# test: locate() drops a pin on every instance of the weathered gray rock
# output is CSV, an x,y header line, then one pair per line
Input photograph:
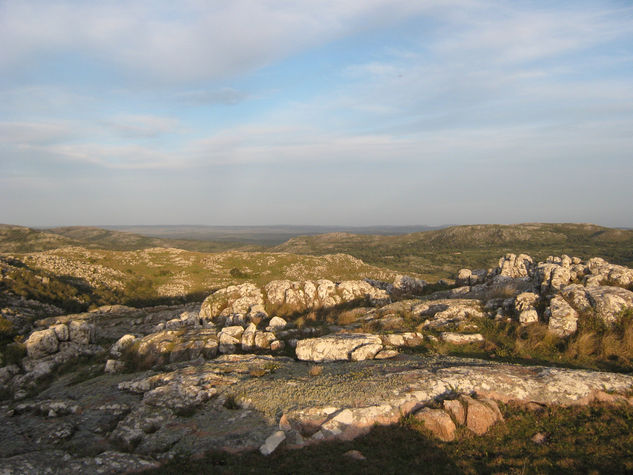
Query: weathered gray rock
x,y
176,345
553,276
386,354
42,343
272,442
276,323
122,344
514,266
524,306
365,352
563,319
263,340
337,347
234,300
448,312
407,285
603,272
81,332
114,366
248,337
62,332
461,338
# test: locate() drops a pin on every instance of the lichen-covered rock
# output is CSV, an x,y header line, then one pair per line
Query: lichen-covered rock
x,y
114,366
81,332
334,347
608,302
524,306
553,276
42,343
448,312
563,319
461,338
602,272
62,332
122,344
263,340
175,345
605,302
407,285
233,300
514,266
365,352
248,337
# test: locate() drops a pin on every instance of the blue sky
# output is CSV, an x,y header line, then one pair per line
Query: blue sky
x,y
316,112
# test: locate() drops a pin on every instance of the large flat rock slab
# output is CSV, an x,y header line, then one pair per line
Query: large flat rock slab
x,y
237,402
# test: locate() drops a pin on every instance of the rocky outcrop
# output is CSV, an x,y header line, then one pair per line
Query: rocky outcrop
x,y
237,304
525,307
605,302
172,346
247,303
568,289
438,422
339,347
601,272
478,415
242,400
514,267
563,319
442,314
46,342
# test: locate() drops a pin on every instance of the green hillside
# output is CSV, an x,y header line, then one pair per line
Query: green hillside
x,y
23,239
442,252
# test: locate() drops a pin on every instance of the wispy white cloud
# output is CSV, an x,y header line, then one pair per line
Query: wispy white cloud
x,y
227,96
190,40
135,126
35,133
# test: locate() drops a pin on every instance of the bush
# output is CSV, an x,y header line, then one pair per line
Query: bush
x,y
238,273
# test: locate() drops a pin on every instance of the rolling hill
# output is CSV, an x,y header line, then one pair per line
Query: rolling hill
x,y
24,239
440,253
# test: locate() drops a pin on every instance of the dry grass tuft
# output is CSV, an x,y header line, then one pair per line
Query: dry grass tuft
x,y
315,370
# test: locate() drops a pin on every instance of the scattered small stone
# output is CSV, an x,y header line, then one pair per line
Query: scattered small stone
x,y
355,454
272,442
539,438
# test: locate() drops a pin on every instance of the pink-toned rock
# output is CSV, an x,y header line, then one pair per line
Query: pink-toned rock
x,y
481,414
438,422
456,409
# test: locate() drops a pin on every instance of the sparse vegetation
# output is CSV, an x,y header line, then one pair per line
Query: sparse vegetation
x,y
441,253
593,439
594,346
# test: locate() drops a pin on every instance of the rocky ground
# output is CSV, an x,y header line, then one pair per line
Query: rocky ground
x,y
120,389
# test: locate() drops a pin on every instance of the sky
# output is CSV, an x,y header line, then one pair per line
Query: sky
x,y
356,112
